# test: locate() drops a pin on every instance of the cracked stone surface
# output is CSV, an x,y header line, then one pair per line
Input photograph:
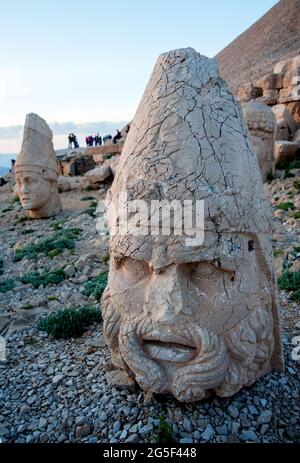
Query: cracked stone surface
x,y
261,124
192,320
36,170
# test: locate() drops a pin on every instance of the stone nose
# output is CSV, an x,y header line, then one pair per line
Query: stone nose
x,y
167,294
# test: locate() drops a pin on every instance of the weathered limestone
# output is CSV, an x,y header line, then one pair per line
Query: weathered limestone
x,y
286,151
95,177
261,125
183,317
285,124
36,170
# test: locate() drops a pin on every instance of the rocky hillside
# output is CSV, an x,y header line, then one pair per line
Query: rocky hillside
x,y
63,390
274,37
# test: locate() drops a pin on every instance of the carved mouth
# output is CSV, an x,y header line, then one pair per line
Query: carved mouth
x,y
168,350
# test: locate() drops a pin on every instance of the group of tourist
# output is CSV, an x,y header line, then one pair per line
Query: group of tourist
x,y
90,140
73,140
97,140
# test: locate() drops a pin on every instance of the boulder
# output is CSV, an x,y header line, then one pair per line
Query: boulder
x,y
95,177
286,151
64,184
285,124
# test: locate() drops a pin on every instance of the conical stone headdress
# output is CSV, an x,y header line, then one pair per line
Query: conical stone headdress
x,y
37,152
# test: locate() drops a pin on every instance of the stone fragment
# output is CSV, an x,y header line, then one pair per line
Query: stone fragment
x,y
57,379
120,380
285,124
83,431
286,151
64,184
93,178
36,170
189,142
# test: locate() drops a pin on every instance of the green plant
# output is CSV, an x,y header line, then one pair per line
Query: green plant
x,y
164,431
63,239
23,218
16,199
28,231
45,278
278,252
105,259
53,298
26,307
7,285
68,323
295,214
290,281
58,225
54,252
92,209
297,248
96,286
288,174
285,206
296,185
7,209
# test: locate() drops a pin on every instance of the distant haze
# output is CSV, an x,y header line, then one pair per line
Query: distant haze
x,y
11,137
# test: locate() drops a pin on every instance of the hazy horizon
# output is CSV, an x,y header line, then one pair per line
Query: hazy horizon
x,y
100,74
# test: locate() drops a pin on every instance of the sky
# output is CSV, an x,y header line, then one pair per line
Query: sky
x,y
87,61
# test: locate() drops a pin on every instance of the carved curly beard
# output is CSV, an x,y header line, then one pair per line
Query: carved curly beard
x,y
222,364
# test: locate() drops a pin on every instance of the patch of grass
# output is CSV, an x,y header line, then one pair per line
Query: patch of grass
x,y
297,248
296,185
68,323
291,194
105,259
53,298
288,165
15,200
164,433
23,218
54,252
96,286
26,307
7,209
58,225
278,252
285,206
92,209
290,281
295,215
288,174
45,278
28,231
63,239
7,285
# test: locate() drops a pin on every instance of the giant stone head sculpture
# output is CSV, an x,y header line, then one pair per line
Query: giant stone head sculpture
x,y
36,170
192,319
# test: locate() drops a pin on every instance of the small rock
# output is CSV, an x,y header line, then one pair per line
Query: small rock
x,y
208,433
120,380
248,435
265,417
133,439
57,379
186,440
233,411
83,431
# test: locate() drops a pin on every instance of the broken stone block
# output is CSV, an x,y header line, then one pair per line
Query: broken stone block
x,y
285,124
120,380
294,109
95,177
286,151
64,184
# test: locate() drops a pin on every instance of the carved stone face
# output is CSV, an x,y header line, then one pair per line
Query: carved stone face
x,y
194,323
34,190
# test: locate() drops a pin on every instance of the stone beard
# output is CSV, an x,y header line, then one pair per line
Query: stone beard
x,y
38,192
186,323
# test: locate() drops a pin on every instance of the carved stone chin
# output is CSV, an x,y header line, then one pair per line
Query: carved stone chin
x,y
189,318
36,170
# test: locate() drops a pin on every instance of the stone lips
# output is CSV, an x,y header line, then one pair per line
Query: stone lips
x,y
189,140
